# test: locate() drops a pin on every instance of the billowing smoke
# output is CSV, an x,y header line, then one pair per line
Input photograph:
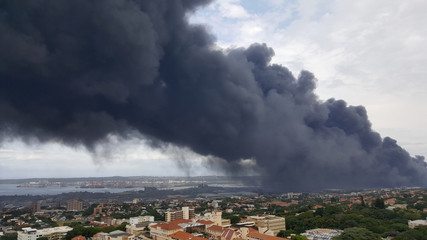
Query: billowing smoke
x,y
78,71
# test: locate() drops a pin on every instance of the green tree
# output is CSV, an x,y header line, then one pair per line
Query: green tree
x,y
281,234
90,231
419,233
319,212
234,219
284,234
357,234
122,227
9,237
89,210
379,203
329,210
298,237
157,216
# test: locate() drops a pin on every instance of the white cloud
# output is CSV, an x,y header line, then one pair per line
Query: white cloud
x,y
231,9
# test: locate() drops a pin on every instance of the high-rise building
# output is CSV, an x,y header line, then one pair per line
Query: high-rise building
x,y
36,206
191,214
98,209
74,205
184,213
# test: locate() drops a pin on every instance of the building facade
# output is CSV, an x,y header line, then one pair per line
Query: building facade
x,y
74,205
27,234
260,236
50,233
36,206
269,222
214,216
184,213
416,223
119,235
161,231
146,218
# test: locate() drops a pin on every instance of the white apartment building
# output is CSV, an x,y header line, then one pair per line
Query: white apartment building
x,y
133,220
416,223
146,218
27,234
33,234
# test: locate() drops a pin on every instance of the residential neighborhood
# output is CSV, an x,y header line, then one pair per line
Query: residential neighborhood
x,y
384,213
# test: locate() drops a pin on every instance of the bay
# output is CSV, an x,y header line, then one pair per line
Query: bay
x,y
13,189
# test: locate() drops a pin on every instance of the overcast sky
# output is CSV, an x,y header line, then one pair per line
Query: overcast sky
x,y
370,53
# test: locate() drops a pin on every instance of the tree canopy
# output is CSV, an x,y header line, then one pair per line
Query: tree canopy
x,y
357,234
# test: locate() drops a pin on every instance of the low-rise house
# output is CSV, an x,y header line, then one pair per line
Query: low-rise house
x,y
180,235
206,223
162,231
80,237
137,229
225,222
193,227
50,233
270,222
27,234
146,218
229,234
215,231
416,223
214,216
100,236
108,220
119,235
244,231
260,236
390,201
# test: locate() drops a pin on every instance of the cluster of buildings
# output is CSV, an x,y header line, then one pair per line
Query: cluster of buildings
x,y
210,226
181,222
184,224
72,205
114,235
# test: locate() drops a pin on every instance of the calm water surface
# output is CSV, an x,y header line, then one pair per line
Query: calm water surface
x,y
12,189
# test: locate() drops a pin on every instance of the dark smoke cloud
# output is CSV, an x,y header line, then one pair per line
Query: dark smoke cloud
x,y
76,72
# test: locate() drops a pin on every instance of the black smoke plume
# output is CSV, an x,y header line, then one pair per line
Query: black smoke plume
x,y
78,71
